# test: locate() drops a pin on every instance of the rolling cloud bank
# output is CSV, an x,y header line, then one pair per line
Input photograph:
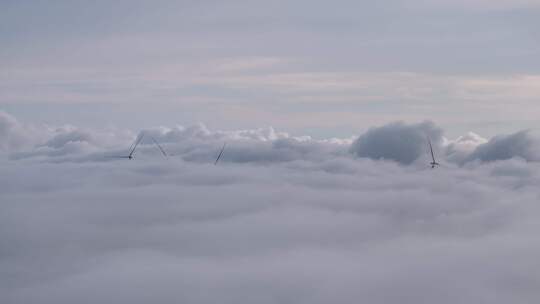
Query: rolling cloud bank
x,y
281,219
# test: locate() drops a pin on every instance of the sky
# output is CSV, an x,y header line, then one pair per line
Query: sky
x,y
318,67
324,192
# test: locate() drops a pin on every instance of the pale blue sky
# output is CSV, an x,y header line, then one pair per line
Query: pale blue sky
x,y
326,68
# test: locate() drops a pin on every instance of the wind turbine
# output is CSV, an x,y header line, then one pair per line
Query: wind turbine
x,y
433,162
132,148
159,146
220,153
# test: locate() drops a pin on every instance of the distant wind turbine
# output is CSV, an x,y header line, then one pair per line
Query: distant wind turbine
x,y
433,162
220,153
132,148
159,146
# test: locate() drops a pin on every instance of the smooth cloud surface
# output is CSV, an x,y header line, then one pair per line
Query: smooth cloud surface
x,y
282,219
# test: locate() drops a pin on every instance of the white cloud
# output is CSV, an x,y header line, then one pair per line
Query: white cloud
x,y
15,135
400,142
282,219
521,144
459,149
397,142
294,233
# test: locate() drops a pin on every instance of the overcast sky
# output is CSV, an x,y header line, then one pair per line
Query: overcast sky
x,y
329,68
324,193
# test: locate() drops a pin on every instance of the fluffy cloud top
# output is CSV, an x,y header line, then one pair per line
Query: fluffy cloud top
x,y
398,141
282,219
13,135
520,144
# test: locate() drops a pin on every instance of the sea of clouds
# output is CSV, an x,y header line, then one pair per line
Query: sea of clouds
x,y
281,218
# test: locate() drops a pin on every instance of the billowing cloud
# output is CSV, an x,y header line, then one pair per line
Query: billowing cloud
x,y
298,232
458,150
399,142
521,144
13,134
283,219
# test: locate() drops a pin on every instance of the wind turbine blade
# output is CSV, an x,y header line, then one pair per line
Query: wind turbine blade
x,y
136,144
431,149
220,153
159,146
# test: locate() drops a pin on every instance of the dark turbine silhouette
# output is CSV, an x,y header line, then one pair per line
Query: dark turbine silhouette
x,y
433,162
159,146
220,153
134,146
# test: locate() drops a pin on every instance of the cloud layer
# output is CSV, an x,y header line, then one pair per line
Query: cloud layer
x,y
399,142
283,219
